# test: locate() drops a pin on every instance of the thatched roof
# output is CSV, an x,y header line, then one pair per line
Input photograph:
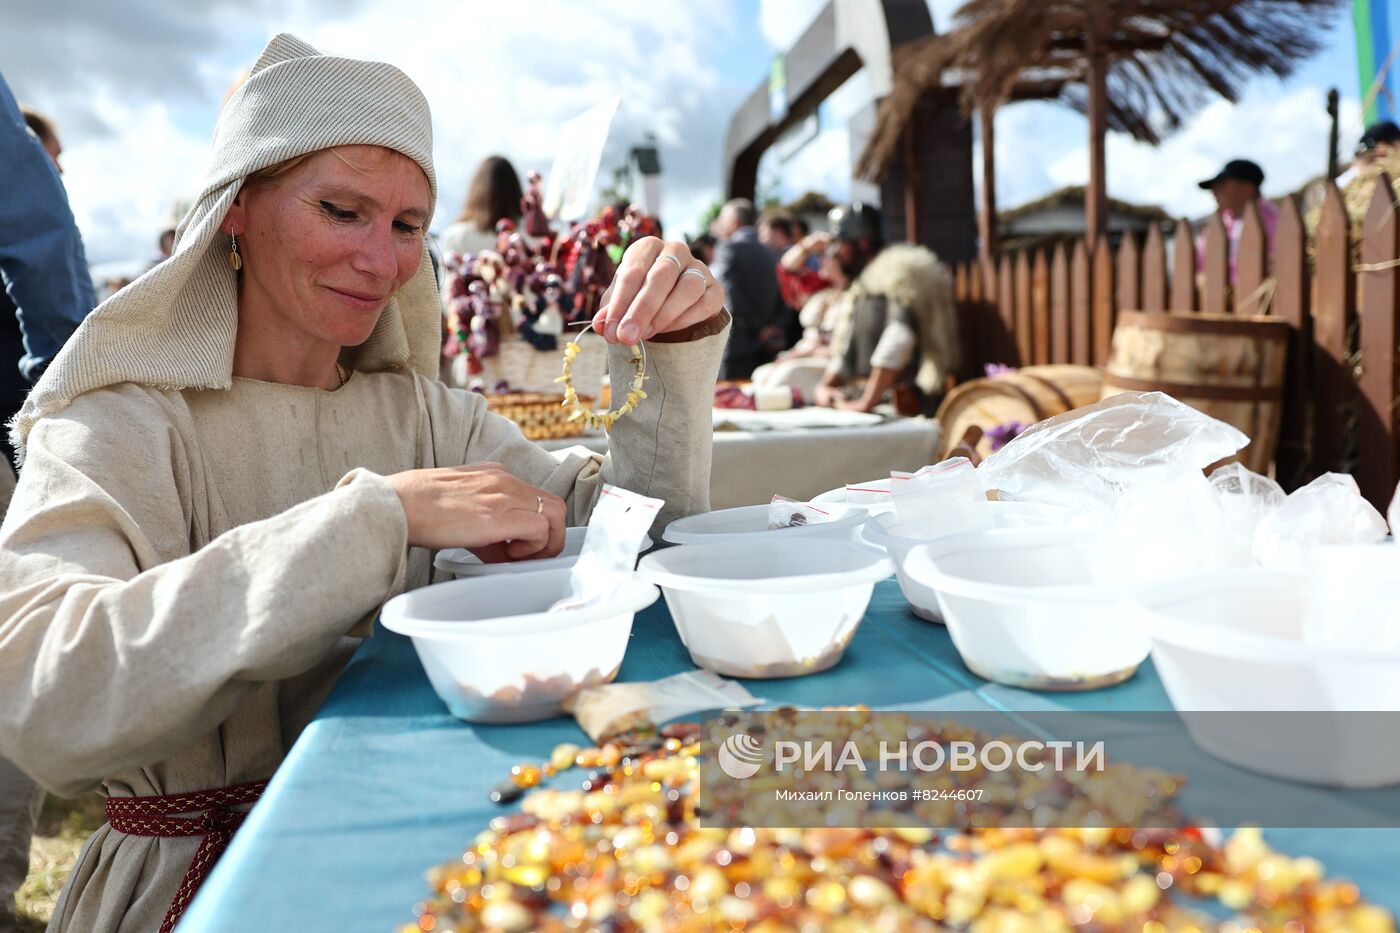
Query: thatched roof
x,y
1166,59
1073,195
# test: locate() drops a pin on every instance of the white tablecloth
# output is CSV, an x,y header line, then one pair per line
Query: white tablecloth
x,y
798,460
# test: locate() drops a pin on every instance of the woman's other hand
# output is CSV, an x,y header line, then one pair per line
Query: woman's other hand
x,y
659,288
483,508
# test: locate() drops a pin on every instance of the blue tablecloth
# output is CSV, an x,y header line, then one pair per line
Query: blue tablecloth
x,y
384,784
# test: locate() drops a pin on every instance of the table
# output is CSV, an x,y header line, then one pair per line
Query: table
x,y
800,461
384,784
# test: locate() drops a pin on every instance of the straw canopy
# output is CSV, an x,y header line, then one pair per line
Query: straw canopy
x,y
1164,58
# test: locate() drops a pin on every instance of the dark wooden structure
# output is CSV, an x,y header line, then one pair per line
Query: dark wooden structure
x,y
1343,385
1139,66
927,192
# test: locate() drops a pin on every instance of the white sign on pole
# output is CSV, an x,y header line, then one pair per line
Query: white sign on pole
x,y
569,187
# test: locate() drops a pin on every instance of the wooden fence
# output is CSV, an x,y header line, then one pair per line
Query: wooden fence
x,y
1343,304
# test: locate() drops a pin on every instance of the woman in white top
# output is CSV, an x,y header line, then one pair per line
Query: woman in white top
x,y
494,196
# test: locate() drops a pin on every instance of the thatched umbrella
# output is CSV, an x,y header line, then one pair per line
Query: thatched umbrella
x,y
1140,66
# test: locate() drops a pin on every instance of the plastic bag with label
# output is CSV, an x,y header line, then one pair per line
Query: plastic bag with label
x,y
787,513
616,530
608,709
939,496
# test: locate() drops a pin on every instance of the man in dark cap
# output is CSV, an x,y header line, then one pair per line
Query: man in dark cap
x,y
1235,186
896,338
1378,140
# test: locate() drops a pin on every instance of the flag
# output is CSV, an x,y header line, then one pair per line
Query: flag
x,y
1377,22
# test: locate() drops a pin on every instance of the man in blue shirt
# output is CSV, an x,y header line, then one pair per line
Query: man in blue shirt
x,y
42,264
48,289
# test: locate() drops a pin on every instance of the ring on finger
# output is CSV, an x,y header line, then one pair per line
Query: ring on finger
x,y
539,508
678,263
700,275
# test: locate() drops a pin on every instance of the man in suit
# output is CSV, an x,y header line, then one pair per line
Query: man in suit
x,y
748,271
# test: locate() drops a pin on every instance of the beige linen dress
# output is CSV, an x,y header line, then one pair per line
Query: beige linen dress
x,y
180,570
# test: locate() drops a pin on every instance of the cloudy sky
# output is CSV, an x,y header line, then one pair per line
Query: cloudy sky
x,y
135,88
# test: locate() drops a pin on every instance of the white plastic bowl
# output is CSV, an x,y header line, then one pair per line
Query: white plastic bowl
x,y
885,531
1231,643
764,607
750,522
463,563
493,653
1023,609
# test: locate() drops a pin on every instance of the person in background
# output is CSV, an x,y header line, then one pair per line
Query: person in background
x,y
800,270
1379,140
42,127
703,248
494,195
748,272
775,231
1234,187
47,292
897,332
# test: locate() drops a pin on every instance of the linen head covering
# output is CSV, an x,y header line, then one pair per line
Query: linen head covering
x,y
174,327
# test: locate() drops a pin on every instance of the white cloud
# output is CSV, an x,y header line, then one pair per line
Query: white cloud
x,y
1041,147
122,189
783,22
500,78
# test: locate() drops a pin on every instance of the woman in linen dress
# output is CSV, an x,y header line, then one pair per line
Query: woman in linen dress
x,y
226,472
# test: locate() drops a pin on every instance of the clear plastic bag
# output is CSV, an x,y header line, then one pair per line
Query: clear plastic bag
x,y
608,709
1392,514
939,495
785,513
1245,499
1087,458
1327,511
1160,530
616,530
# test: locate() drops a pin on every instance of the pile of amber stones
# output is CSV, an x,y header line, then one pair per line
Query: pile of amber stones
x,y
625,850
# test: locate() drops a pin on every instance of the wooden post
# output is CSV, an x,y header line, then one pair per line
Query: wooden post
x,y
1376,311
1006,305
987,221
1291,303
1081,298
1154,271
1183,268
1025,343
1334,135
1130,275
1096,194
1333,316
1040,309
1101,333
1215,297
1059,306
1251,264
911,186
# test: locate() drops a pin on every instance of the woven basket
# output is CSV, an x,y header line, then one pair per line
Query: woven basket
x,y
542,417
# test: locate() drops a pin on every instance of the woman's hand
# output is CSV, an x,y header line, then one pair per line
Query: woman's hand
x,y
659,288
483,508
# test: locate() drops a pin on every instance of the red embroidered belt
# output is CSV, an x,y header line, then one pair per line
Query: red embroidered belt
x,y
153,816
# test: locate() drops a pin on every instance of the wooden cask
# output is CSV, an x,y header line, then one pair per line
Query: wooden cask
x,y
1026,395
1229,366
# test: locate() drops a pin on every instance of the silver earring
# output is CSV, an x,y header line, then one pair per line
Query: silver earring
x,y
234,260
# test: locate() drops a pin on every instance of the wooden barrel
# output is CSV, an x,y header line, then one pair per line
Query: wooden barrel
x,y
1027,395
1229,366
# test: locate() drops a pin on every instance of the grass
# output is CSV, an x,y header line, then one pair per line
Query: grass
x,y
63,827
